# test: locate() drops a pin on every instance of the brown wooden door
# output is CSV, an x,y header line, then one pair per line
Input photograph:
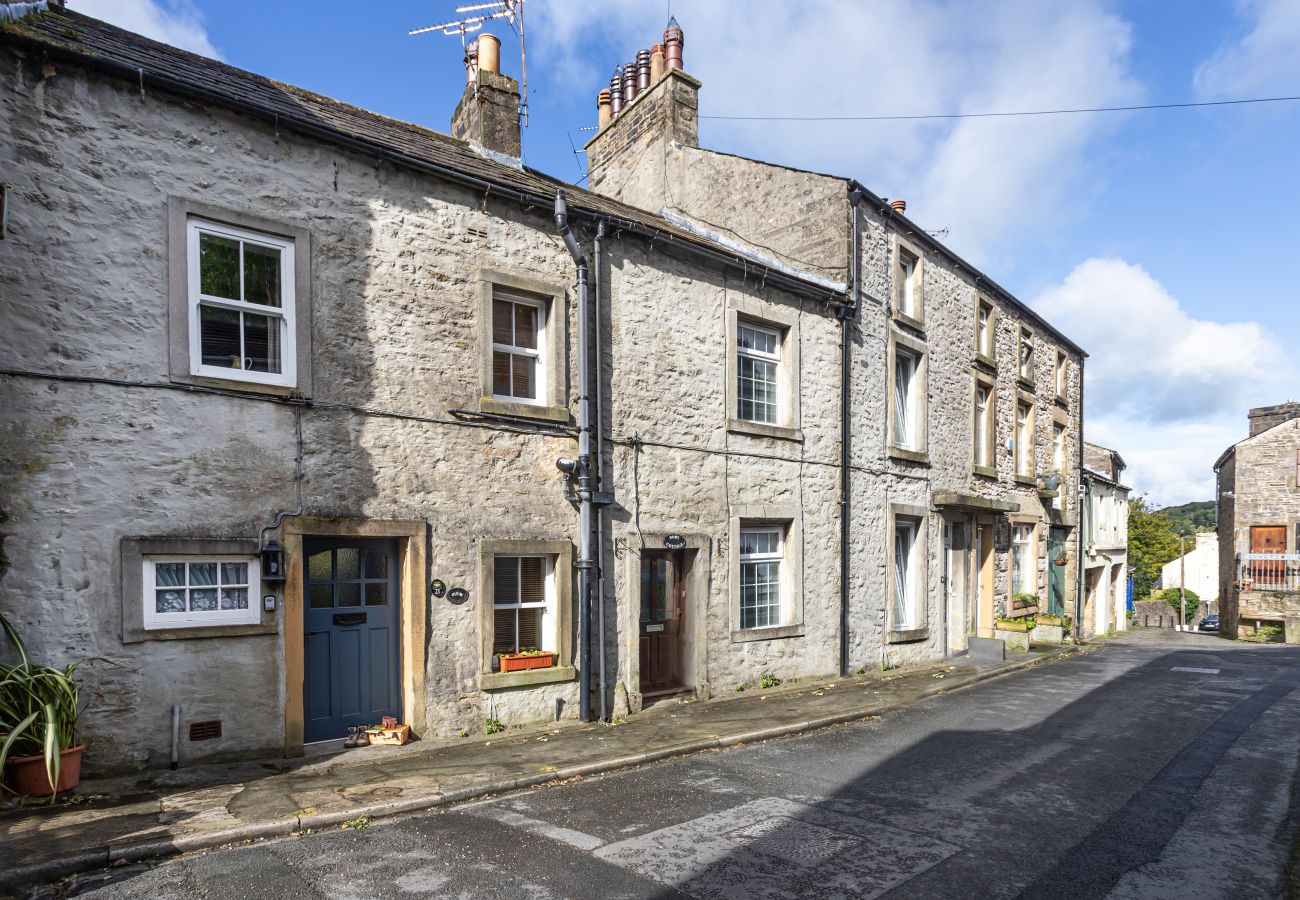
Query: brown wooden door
x,y
661,622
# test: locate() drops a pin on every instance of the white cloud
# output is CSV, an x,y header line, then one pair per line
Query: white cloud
x,y
175,22
1168,391
992,181
1262,61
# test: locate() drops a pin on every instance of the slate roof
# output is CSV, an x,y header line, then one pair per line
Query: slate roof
x,y
158,67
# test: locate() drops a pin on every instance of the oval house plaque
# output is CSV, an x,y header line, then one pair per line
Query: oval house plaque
x,y
458,595
675,542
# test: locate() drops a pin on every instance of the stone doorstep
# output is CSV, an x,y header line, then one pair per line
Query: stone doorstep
x,y
158,841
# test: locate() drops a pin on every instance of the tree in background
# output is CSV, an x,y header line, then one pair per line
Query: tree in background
x,y
1152,542
1191,518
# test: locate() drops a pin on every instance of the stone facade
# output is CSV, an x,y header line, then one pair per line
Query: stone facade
x,y
1105,585
805,220
1259,511
119,451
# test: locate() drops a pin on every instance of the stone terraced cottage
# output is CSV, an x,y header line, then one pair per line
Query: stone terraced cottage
x,y
293,403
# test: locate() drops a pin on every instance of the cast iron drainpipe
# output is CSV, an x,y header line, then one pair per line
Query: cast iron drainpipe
x,y
581,467
597,251
847,315
1085,508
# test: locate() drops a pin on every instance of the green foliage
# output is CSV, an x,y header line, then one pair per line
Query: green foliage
x,y
1190,518
357,824
1152,542
39,708
1024,623
492,726
768,680
1173,598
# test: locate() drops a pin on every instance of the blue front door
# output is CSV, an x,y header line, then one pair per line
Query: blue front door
x,y
351,646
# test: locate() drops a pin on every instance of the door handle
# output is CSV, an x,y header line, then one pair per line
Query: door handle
x,y
350,618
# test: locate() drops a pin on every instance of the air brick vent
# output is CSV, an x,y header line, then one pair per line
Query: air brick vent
x,y
205,731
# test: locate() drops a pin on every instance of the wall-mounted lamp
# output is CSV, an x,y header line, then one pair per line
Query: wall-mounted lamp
x,y
273,562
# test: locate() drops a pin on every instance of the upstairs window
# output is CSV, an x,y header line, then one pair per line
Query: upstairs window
x,y
1058,449
907,296
905,406
1024,439
1060,373
1026,370
984,426
984,330
761,554
758,351
1022,561
518,360
241,299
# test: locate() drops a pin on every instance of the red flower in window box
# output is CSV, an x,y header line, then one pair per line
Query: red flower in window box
x,y
528,659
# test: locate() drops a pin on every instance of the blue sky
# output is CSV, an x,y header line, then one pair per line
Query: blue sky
x,y
1162,241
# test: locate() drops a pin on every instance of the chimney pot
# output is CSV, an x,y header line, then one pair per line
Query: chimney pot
x,y
673,42
489,53
616,91
629,83
604,106
900,206
656,62
642,70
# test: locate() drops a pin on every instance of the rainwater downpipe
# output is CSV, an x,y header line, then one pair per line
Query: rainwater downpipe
x,y
847,315
581,467
597,252
1085,508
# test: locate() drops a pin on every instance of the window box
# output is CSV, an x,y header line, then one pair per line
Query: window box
x,y
523,662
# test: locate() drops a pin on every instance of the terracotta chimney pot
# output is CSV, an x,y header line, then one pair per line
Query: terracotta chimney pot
x,y
489,53
657,63
604,106
673,42
900,206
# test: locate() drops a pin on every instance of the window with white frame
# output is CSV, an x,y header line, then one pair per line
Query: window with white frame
x,y
758,369
906,402
184,592
1024,439
1058,449
984,329
761,554
906,574
1022,561
1060,373
1026,369
241,303
984,425
909,289
518,339
523,603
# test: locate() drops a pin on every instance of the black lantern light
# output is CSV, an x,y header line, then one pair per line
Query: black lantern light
x,y
273,562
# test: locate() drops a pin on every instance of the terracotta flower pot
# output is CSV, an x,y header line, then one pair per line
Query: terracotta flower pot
x,y
28,778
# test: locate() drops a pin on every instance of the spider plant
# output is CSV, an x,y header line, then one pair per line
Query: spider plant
x,y
38,708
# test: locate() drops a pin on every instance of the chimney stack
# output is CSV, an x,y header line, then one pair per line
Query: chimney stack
x,y
488,112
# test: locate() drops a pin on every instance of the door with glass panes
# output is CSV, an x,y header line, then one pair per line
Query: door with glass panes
x,y
352,644
660,626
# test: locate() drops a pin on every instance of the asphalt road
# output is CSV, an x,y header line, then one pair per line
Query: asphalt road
x,y
1161,766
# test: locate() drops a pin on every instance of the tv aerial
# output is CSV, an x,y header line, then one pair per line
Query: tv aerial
x,y
512,11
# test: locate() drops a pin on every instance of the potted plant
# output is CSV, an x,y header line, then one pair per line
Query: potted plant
x,y
1014,632
1024,605
39,709
523,660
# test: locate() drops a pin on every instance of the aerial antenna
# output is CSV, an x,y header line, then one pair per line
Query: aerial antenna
x,y
510,10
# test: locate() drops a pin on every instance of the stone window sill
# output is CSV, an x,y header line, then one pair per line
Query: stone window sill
x,y
907,635
914,324
201,631
1027,480
916,456
985,363
235,384
1026,383
1062,402
523,410
497,681
985,471
781,432
743,635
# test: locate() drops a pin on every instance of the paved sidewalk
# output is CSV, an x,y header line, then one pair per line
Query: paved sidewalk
x,y
161,813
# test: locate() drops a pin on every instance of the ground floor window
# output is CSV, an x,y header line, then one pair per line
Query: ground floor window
x,y
523,600
761,552
1022,561
183,592
906,566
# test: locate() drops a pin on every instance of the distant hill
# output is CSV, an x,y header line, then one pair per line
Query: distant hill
x,y
1190,518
